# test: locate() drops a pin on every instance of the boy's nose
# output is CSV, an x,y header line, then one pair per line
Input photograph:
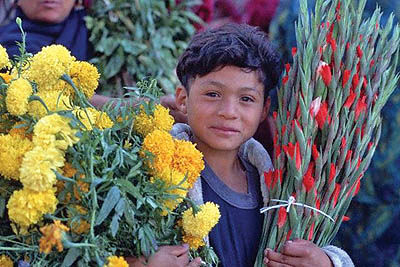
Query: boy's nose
x,y
228,109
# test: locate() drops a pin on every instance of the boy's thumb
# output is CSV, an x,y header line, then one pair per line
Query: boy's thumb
x,y
178,250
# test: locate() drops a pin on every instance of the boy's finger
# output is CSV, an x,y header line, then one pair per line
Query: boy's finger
x,y
297,248
175,250
275,257
276,264
195,262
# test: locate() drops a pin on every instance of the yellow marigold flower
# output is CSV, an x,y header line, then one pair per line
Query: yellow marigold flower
x,y
68,170
188,160
85,77
17,97
26,207
54,100
80,227
115,261
12,151
38,166
196,227
160,120
49,65
162,146
87,116
52,237
4,60
6,77
59,135
5,261
103,121
80,187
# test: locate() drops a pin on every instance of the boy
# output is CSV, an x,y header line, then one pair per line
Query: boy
x,y
226,74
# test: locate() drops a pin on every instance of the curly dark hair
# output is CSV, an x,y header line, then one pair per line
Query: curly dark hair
x,y
232,44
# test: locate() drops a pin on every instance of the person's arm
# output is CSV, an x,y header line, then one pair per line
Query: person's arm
x,y
306,254
166,256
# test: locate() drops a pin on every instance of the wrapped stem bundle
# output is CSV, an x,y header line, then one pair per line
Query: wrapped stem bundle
x,y
328,120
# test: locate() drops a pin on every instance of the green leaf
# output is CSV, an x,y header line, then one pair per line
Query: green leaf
x,y
2,206
70,258
109,203
114,65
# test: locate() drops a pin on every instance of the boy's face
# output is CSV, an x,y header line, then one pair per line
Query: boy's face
x,y
224,108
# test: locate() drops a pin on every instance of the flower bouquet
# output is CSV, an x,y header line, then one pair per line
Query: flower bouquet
x,y
86,187
328,120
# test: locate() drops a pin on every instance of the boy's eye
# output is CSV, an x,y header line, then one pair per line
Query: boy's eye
x,y
247,99
212,94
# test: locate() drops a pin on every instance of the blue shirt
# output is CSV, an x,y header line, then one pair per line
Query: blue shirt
x,y
236,237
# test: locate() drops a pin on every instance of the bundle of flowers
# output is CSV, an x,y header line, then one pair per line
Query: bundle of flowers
x,y
328,120
87,187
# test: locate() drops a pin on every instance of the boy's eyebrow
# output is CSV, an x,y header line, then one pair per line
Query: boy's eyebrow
x,y
218,84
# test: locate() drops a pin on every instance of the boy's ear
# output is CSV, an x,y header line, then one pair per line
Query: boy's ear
x,y
266,109
181,96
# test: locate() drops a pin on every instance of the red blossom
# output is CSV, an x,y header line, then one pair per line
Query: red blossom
x,y
332,172
346,218
372,63
355,81
370,144
358,184
349,154
322,115
298,111
325,71
315,106
344,142
315,153
346,77
294,51
361,106
365,83
282,217
268,178
350,99
274,115
290,151
285,79
289,234
287,66
347,46
277,151
308,179
318,203
333,44
277,175
335,194
283,129
311,233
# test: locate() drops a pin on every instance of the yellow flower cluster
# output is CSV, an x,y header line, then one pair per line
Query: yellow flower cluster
x,y
4,60
159,120
85,76
92,117
197,226
54,100
17,97
171,160
5,261
6,77
26,207
48,65
52,237
12,150
115,261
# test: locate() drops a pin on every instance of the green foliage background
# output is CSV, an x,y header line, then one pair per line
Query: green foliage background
x,y
371,237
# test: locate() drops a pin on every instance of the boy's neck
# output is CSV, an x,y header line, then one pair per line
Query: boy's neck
x,y
227,166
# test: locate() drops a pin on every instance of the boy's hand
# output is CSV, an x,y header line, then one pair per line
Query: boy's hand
x,y
299,253
167,256
168,101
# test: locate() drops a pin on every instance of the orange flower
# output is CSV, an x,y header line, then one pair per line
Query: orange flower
x,y
52,235
282,217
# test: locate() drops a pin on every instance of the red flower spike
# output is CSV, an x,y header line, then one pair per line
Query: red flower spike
x,y
311,233
338,7
361,106
308,179
355,81
290,151
287,66
370,145
283,129
268,179
315,153
325,71
320,50
349,154
322,115
289,234
359,51
345,78
315,106
332,173
346,218
350,99
344,142
357,187
333,44
358,162
377,25
335,194
361,37
294,51
285,79
298,111
277,151
298,156
282,217
372,63
358,67
318,203
274,115
347,46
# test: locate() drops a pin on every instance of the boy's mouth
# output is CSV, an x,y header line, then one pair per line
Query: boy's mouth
x,y
225,130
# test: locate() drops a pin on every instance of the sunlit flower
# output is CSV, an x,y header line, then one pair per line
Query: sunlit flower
x,y
54,101
197,226
4,60
26,207
52,237
6,77
5,261
160,120
85,77
87,116
115,261
162,146
12,151
49,65
17,97
38,166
